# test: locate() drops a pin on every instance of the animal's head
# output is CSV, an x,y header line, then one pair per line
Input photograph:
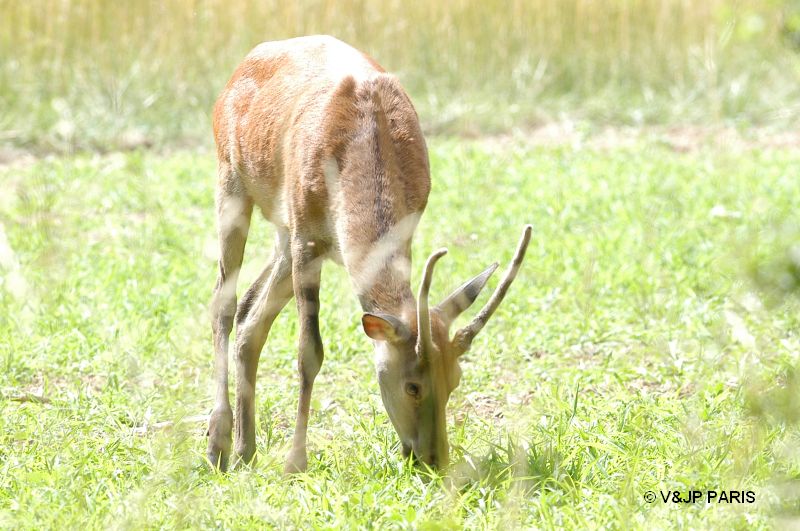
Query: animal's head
x,y
418,371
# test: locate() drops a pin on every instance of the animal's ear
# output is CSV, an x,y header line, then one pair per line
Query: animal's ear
x,y
384,327
463,296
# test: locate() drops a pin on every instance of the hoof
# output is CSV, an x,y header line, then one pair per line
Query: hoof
x,y
244,457
296,461
219,439
217,458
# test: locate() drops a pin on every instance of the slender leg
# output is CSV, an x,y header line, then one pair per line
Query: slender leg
x,y
233,222
260,306
307,268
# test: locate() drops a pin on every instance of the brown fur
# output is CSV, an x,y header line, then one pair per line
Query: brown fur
x,y
289,108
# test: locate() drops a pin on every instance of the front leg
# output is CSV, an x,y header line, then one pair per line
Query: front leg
x,y
306,271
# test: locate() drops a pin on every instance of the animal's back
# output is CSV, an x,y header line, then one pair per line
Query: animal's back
x,y
275,101
293,108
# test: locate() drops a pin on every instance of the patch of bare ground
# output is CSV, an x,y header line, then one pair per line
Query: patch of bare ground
x,y
679,138
196,423
43,390
11,158
650,387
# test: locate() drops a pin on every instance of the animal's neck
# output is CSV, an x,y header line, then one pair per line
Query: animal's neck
x,y
389,292
380,224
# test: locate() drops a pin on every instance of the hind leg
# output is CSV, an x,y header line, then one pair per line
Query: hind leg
x,y
259,307
234,209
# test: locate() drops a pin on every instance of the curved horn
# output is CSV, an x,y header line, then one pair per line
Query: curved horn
x,y
462,339
424,339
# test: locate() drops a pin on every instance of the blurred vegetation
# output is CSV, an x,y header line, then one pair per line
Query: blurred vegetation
x,y
103,75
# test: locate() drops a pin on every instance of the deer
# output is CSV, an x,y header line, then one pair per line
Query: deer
x,y
328,146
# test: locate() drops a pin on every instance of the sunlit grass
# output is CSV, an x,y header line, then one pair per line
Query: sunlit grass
x,y
632,353
96,74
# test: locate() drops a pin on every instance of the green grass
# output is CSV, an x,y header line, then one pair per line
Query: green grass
x,y
633,352
106,75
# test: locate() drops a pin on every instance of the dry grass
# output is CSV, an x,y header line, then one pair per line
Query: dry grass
x,y
98,74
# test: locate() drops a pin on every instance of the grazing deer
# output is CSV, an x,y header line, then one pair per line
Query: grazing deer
x,y
316,135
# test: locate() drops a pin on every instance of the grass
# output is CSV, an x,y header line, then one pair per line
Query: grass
x,y
634,352
103,75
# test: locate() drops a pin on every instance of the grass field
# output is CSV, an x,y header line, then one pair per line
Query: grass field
x,y
635,351
650,343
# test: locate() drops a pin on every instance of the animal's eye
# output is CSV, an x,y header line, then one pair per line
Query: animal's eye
x,y
412,389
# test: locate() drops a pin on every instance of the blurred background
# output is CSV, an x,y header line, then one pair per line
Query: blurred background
x,y
102,75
